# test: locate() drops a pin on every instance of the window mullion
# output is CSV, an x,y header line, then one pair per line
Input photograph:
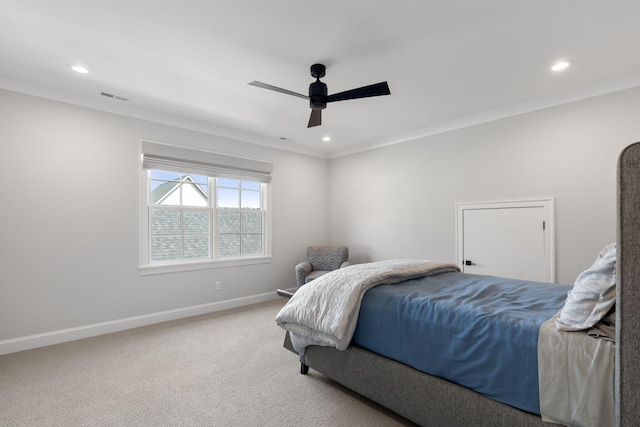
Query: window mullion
x,y
241,230
213,220
149,235
182,241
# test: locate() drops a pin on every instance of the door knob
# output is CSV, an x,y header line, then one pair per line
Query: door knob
x,y
469,262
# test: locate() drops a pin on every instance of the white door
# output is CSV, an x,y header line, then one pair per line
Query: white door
x,y
507,239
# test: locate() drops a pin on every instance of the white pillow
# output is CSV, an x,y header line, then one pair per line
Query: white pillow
x,y
593,294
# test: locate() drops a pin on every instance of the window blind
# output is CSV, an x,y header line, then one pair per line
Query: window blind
x,y
186,160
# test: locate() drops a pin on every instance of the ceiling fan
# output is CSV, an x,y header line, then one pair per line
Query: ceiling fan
x,y
318,97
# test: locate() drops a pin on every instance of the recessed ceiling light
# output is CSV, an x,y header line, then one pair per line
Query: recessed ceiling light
x,y
562,65
326,139
79,68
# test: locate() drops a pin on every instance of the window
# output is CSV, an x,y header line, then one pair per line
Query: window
x,y
193,216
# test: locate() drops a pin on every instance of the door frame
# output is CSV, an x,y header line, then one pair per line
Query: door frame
x,y
548,206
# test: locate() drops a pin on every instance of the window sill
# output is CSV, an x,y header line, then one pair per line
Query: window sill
x,y
201,265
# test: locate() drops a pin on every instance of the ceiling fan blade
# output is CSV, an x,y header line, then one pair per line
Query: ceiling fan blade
x,y
361,92
277,89
315,119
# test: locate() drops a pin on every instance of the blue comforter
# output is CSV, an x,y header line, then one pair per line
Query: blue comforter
x,y
478,331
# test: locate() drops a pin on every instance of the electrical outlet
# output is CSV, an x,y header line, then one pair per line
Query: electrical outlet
x,y
218,286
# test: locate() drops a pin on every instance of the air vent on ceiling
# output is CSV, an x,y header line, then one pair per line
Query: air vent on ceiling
x,y
112,96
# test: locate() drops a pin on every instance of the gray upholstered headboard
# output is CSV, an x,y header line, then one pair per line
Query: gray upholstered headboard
x,y
628,290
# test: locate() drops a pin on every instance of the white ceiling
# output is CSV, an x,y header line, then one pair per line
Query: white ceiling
x,y
448,63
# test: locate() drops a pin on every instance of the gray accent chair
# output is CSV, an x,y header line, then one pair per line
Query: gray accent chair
x,y
321,260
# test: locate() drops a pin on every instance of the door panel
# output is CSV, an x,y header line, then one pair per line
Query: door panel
x,y
506,239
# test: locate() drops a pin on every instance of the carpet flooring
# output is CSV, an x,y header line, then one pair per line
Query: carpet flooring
x,y
221,369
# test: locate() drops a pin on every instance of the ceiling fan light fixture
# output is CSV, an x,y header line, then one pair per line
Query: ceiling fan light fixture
x,y
562,65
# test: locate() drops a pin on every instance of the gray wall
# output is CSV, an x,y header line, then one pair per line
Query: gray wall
x,y
70,204
399,201
69,219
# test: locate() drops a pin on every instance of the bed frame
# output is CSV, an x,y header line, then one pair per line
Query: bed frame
x,y
432,401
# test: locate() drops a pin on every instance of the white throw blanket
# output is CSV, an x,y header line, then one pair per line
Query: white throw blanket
x,y
325,310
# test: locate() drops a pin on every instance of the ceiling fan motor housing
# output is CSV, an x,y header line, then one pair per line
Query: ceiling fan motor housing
x,y
318,91
318,95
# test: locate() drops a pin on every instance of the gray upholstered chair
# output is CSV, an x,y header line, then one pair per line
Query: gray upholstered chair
x,y
321,260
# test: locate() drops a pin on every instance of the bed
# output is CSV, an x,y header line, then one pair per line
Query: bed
x,y
375,367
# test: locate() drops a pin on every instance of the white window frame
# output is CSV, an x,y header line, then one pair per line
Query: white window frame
x,y
181,157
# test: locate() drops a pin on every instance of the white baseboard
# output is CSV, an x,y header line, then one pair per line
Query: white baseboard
x,y
65,335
